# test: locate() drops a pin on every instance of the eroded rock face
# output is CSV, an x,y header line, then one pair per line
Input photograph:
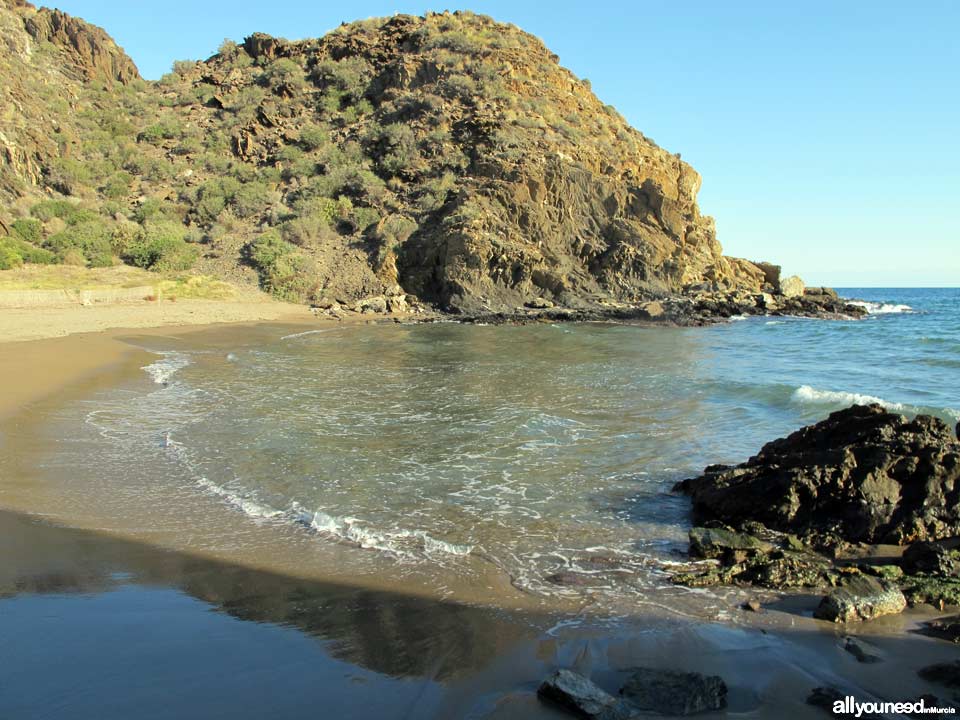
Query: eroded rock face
x,y
95,53
863,474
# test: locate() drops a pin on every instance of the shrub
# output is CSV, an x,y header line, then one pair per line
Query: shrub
x,y
161,246
9,257
349,76
213,196
118,185
91,238
313,137
49,209
28,229
253,198
283,73
284,272
396,148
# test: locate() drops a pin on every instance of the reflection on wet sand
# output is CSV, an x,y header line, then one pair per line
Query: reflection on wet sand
x,y
391,634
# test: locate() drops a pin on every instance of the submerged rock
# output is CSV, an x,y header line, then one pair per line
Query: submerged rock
x,y
855,648
863,474
861,597
670,692
947,674
583,697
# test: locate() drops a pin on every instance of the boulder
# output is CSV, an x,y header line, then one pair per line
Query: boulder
x,y
792,287
539,303
670,692
935,558
584,698
725,544
861,597
652,310
863,474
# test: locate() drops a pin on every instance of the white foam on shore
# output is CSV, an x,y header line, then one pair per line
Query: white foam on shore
x,y
879,308
247,506
404,544
808,395
170,363
303,334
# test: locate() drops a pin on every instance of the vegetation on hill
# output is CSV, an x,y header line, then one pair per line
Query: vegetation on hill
x,y
447,156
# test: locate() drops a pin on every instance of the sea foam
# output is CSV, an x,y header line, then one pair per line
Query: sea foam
x,y
880,308
808,395
170,363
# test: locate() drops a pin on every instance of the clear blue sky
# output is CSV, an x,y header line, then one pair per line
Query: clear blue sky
x,y
827,133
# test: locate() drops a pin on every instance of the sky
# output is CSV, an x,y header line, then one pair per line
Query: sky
x,y
827,133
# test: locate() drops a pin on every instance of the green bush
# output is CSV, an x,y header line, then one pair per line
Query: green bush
x,y
9,257
313,137
90,237
252,199
118,185
28,229
49,209
162,246
284,271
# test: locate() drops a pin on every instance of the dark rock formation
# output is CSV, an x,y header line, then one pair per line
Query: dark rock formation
x,y
862,475
584,698
861,597
669,692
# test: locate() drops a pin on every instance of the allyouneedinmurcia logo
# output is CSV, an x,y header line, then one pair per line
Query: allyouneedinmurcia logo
x,y
849,706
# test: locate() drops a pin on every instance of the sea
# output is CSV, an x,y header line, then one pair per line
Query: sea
x,y
544,454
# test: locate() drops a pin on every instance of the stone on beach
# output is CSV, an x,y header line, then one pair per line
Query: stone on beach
x,y
861,597
583,697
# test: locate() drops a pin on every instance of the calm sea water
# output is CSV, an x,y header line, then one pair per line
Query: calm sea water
x,y
540,449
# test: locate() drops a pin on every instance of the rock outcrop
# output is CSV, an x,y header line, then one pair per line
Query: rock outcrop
x,y
448,156
863,475
792,515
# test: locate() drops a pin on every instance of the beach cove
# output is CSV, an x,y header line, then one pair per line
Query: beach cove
x,y
155,554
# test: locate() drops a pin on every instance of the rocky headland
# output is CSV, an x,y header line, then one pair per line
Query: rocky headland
x,y
438,164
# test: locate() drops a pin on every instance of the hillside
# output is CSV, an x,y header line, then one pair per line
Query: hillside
x,y
446,157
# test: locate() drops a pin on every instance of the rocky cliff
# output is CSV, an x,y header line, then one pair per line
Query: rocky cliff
x,y
447,157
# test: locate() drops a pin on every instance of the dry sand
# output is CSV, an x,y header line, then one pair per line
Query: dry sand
x,y
46,349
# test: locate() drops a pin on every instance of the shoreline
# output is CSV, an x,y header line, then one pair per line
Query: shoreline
x,y
782,652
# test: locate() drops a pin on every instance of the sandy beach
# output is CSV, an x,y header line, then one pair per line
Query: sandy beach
x,y
43,350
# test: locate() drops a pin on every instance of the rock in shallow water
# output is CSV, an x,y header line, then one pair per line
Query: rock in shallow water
x,y
670,692
583,697
863,474
861,597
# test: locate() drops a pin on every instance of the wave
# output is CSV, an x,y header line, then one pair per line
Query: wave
x,y
303,334
811,396
162,370
401,543
881,308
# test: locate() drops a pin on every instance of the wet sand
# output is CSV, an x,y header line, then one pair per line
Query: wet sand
x,y
104,625
99,627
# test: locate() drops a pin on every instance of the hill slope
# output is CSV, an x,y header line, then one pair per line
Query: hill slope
x,y
447,157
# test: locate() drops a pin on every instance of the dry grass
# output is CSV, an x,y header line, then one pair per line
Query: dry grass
x,y
66,277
